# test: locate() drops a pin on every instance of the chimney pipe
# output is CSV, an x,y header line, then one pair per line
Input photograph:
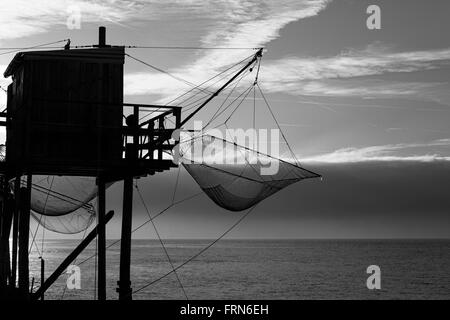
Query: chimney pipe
x,y
101,37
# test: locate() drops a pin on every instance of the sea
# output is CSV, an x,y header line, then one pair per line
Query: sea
x,y
256,269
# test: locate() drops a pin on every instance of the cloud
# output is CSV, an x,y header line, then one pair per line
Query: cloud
x,y
418,152
371,61
347,74
241,24
341,75
26,18
360,87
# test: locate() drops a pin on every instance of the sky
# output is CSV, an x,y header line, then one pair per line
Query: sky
x,y
367,109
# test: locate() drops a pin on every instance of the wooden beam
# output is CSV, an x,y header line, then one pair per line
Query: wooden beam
x,y
42,275
15,233
215,94
124,282
101,243
70,258
24,232
5,229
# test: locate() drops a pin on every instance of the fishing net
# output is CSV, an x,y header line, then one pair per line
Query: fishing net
x,y
61,203
60,195
71,223
236,177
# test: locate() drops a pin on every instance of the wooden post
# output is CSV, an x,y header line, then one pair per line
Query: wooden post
x,y
101,239
42,275
131,153
15,232
24,231
2,245
7,215
124,282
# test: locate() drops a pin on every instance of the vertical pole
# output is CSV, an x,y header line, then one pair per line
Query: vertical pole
x,y
24,231
161,128
42,275
32,285
3,237
7,215
15,232
101,212
131,153
2,244
101,278
125,243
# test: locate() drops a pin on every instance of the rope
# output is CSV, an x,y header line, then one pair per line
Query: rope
x,y
279,127
198,253
35,244
148,221
201,84
226,99
191,48
223,75
161,241
40,219
33,47
166,72
172,47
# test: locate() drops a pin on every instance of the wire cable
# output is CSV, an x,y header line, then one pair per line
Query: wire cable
x,y
161,241
33,47
198,253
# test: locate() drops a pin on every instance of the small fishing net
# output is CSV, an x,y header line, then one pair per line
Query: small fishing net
x,y
236,177
61,203
60,195
71,223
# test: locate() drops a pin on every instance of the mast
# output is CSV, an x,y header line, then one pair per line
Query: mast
x,y
101,189
255,57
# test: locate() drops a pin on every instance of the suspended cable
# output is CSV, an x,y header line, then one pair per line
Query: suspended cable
x,y
40,218
187,92
224,74
171,47
278,125
34,47
149,220
226,99
165,72
198,253
200,85
191,48
161,241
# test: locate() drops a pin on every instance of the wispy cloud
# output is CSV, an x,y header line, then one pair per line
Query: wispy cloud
x,y
241,24
347,74
419,152
341,75
371,61
22,18
359,87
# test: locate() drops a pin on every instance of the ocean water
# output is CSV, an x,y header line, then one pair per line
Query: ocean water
x,y
264,269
